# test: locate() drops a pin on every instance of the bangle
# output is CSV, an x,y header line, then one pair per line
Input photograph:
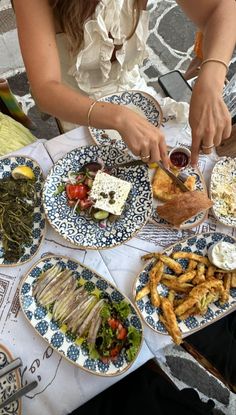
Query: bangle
x,y
90,110
215,60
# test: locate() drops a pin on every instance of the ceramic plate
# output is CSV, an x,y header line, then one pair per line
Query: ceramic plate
x,y
7,164
61,340
195,220
140,102
223,191
9,384
83,230
198,244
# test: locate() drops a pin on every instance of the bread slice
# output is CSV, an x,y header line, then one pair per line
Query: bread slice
x,y
184,206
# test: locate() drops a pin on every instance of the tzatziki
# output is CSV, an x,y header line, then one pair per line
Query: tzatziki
x,y
223,255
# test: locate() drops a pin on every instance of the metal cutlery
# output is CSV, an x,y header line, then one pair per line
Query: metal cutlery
x,y
19,393
179,180
11,366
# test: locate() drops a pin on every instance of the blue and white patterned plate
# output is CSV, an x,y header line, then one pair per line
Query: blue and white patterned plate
x,y
198,244
7,164
9,384
58,338
82,230
140,102
223,191
195,220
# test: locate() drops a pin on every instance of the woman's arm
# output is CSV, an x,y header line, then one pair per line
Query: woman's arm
x,y
37,39
209,118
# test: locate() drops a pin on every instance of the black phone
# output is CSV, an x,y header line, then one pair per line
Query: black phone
x,y
175,86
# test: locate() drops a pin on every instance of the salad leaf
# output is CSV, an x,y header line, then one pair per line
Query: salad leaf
x,y
122,308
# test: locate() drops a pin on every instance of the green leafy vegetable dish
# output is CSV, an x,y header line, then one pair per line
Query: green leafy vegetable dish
x,y
20,207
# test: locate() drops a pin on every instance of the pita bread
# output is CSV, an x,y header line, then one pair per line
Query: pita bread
x,y
183,206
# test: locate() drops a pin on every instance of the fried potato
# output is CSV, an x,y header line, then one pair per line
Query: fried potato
x,y
155,275
191,265
210,271
171,320
144,291
200,275
171,296
174,285
187,276
156,272
150,256
190,312
186,305
191,255
172,264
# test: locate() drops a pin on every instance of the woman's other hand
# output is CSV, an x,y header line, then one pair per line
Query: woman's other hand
x,y
209,117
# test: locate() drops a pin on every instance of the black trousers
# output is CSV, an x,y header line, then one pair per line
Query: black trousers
x,y
145,392
217,343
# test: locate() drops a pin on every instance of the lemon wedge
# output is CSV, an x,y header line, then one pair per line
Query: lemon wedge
x,y
23,172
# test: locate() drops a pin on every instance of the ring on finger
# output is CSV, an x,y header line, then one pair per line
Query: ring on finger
x,y
207,147
145,157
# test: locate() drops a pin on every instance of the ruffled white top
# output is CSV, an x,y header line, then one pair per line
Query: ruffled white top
x,y
92,71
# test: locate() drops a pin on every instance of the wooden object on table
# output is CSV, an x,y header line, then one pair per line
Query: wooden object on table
x,y
228,147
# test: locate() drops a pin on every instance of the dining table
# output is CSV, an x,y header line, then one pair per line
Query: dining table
x,y
62,385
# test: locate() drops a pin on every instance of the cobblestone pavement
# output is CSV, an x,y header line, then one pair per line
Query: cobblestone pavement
x,y
170,45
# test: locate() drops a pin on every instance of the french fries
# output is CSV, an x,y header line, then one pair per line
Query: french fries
x,y
191,290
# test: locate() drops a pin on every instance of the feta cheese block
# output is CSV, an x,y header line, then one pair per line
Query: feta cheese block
x,y
110,193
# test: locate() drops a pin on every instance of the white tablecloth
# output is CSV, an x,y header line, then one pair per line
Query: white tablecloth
x,y
62,386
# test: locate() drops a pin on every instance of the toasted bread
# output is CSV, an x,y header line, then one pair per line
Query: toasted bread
x,y
184,206
165,189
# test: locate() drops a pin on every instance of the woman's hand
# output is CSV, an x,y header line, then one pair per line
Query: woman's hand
x,y
142,138
209,117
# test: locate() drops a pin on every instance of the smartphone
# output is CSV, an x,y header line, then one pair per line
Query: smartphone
x,y
175,86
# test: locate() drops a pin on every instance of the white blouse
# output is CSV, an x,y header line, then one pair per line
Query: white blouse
x,y
92,71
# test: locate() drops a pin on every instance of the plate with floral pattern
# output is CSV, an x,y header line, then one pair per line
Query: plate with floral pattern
x,y
198,244
83,230
223,191
195,220
9,384
29,249
57,335
138,101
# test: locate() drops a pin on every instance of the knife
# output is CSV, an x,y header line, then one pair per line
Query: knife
x,y
173,177
10,367
160,164
19,393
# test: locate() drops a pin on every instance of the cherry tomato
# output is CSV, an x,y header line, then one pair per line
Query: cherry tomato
x,y
113,323
121,332
76,191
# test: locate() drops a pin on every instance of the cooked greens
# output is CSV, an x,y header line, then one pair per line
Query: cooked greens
x,y
17,202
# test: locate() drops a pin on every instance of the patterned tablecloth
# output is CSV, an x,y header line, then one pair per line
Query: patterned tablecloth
x,y
55,375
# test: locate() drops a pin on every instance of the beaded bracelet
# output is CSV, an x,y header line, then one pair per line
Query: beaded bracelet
x,y
215,60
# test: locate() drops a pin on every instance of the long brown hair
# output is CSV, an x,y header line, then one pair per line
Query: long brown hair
x,y
72,14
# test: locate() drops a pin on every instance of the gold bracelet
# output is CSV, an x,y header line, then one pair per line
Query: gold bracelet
x,y
90,110
216,60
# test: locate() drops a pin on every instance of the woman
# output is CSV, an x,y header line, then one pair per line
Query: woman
x,y
105,44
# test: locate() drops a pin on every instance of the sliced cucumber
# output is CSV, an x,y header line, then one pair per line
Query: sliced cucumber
x,y
101,214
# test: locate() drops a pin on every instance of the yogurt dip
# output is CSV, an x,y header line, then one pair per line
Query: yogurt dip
x,y
223,255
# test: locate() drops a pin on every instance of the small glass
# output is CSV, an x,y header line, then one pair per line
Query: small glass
x,y
180,157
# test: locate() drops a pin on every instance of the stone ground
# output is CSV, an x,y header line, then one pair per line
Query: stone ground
x,y
170,44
